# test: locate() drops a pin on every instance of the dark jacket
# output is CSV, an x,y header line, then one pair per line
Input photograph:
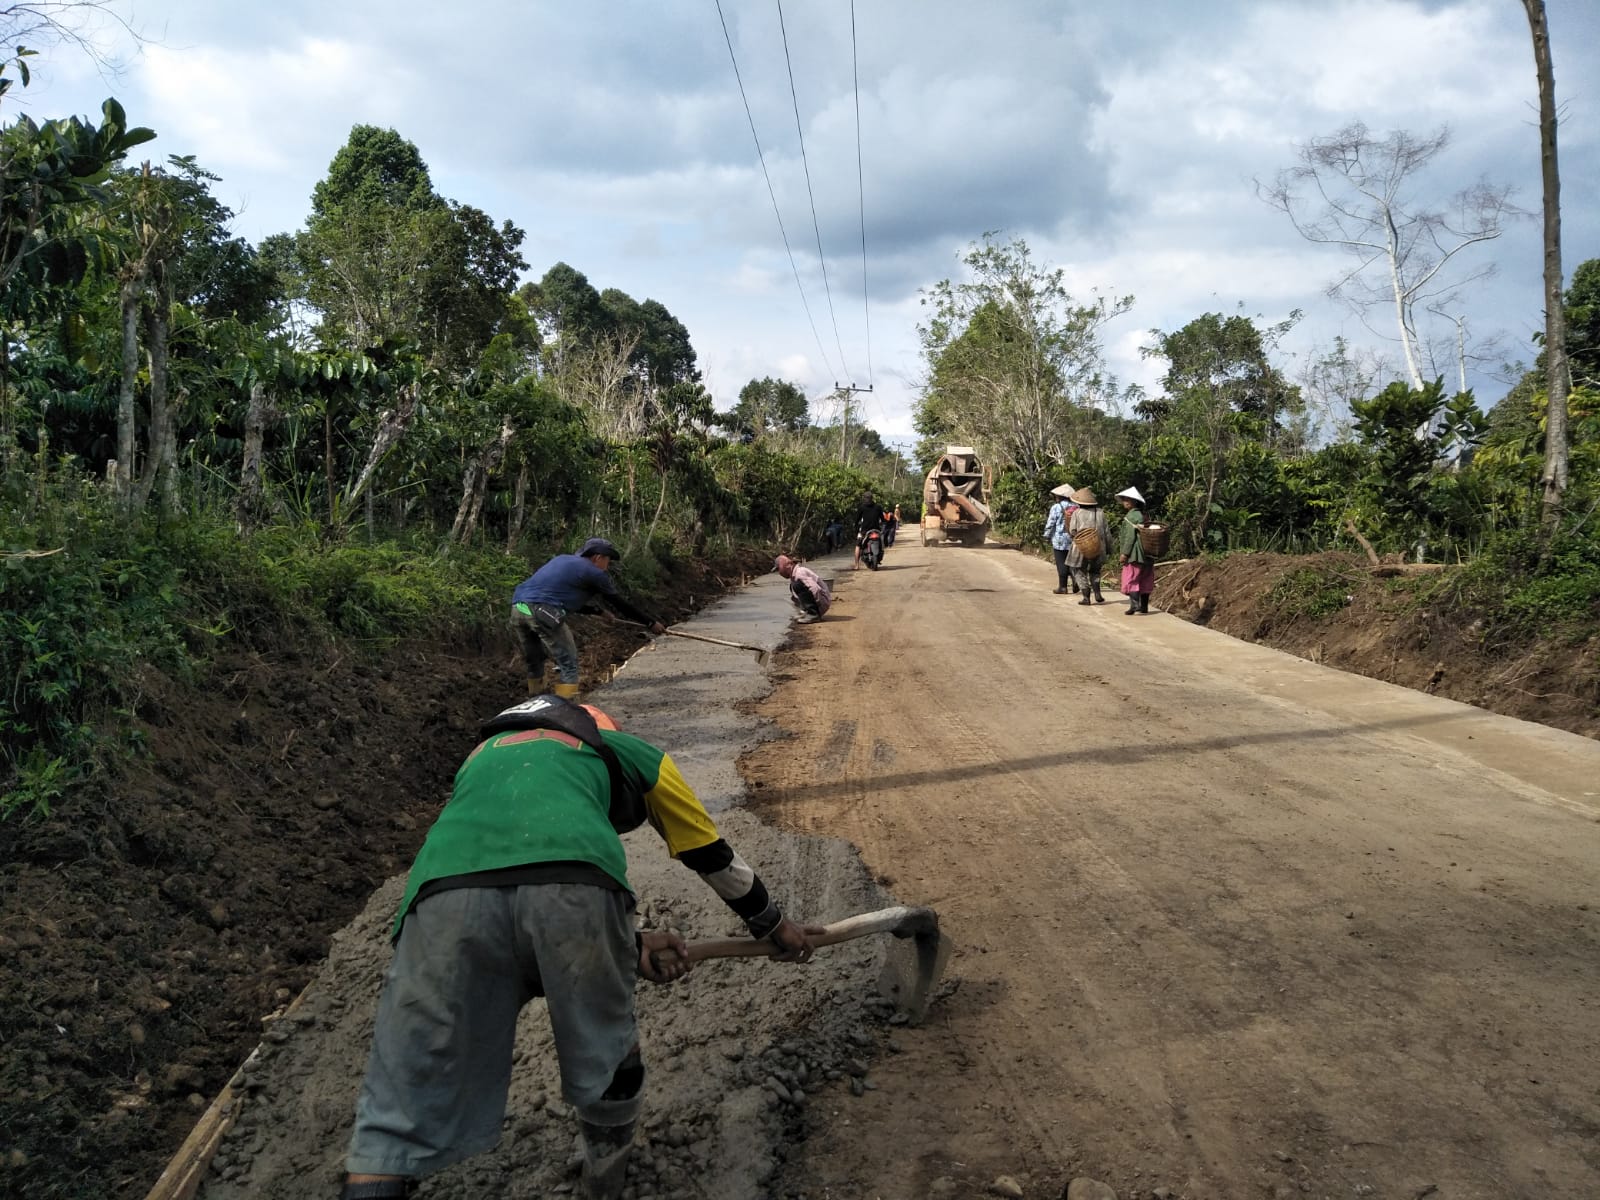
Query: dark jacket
x,y
569,582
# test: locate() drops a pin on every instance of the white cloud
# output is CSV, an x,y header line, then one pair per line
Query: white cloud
x,y
1120,140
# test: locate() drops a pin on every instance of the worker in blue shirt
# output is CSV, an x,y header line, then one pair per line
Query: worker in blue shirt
x,y
568,583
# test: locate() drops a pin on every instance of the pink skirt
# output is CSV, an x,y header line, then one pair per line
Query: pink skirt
x,y
1138,577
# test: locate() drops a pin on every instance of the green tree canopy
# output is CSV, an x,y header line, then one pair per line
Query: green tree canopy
x,y
386,259
1014,362
764,405
1219,364
1583,324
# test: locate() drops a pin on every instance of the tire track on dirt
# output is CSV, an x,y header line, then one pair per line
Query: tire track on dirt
x,y
1208,938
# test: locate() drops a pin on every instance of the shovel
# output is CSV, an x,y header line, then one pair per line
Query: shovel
x,y
909,973
763,656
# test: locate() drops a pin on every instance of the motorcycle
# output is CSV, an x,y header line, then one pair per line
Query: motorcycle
x,y
872,549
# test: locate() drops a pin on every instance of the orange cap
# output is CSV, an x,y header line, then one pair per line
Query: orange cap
x,y
600,718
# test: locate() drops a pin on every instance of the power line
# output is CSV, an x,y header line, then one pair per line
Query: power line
x,y
763,160
821,258
861,191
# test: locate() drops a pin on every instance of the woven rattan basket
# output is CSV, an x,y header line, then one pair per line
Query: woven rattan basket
x,y
1154,539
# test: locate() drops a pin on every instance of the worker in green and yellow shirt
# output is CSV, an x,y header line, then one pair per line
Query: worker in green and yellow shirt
x,y
521,890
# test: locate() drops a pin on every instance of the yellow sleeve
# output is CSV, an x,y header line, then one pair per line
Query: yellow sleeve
x,y
676,812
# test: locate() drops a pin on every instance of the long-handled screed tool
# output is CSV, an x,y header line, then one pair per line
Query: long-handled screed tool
x,y
910,971
763,655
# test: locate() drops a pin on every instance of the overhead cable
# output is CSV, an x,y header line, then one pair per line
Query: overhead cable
x,y
762,158
861,192
821,258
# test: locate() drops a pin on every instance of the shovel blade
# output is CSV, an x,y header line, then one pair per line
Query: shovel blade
x,y
912,968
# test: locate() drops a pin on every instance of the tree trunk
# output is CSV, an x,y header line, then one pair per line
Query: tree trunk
x,y
129,297
660,504
327,459
633,499
170,474
42,474
471,500
492,458
519,508
6,443
247,508
391,428
160,454
1392,244
475,483
1558,378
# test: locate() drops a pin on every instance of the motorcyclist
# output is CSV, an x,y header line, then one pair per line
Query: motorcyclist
x,y
868,517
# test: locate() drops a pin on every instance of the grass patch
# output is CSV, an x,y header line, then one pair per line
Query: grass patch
x,y
1309,592
1520,600
79,627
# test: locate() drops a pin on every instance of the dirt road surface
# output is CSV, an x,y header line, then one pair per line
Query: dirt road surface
x,y
1230,924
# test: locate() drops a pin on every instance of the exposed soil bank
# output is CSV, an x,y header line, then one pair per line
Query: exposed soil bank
x,y
161,912
1381,630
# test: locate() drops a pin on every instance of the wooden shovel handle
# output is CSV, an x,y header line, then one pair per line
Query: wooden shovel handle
x,y
903,921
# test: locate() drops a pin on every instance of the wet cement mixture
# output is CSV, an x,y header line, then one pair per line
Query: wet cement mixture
x,y
736,1053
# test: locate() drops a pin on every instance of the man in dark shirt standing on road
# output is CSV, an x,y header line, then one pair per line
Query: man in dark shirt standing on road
x,y
543,601
868,517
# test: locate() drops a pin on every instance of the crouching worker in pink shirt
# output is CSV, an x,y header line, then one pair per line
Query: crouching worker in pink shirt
x,y
806,588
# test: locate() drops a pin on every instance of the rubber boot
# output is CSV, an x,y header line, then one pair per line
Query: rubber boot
x,y
605,1159
1085,599
1144,603
567,691
1133,605
1098,598
388,1189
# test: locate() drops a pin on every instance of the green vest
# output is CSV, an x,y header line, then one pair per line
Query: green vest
x,y
532,796
1131,547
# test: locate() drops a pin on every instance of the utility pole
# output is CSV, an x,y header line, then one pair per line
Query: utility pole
x,y
843,394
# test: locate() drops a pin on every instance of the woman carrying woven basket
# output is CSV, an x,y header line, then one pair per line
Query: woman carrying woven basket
x,y
1089,539
1055,532
1138,567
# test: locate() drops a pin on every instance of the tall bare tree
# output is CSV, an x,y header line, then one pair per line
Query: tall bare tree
x,y
1348,190
600,380
1558,376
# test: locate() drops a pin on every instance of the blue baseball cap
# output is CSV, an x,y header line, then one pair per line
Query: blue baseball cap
x,y
600,546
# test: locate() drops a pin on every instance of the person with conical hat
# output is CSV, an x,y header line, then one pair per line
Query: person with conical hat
x,y
521,890
1090,539
1138,568
1055,532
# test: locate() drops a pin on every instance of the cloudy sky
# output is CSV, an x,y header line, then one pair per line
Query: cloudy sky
x,y
1120,140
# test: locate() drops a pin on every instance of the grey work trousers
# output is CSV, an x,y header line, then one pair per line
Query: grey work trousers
x,y
466,963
